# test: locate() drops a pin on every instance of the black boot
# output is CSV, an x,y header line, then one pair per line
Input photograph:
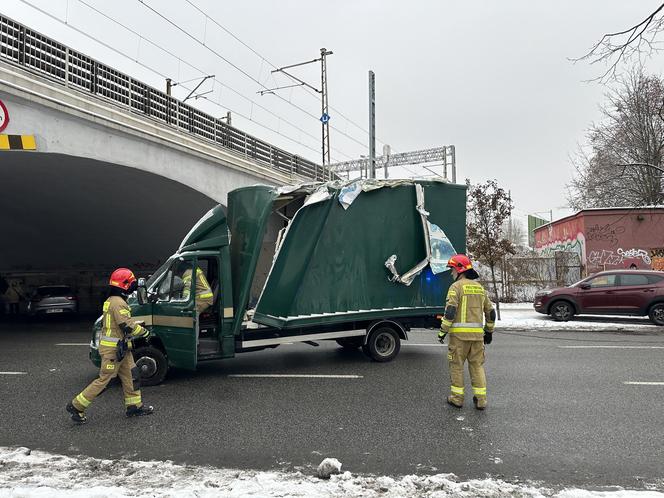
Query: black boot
x,y
478,405
76,416
133,411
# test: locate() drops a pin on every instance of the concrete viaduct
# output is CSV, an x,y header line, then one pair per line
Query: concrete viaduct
x,y
116,172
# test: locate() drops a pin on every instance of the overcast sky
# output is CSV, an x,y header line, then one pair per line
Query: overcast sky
x,y
491,77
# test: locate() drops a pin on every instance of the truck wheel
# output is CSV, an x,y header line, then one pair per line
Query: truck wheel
x,y
351,342
383,344
656,314
152,364
561,311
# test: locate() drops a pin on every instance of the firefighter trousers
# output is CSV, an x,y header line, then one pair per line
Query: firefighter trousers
x,y
458,351
129,376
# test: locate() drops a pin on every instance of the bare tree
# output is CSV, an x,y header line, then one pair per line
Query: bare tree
x,y
619,164
635,41
489,207
516,233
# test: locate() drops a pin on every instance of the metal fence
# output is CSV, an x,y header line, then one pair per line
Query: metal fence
x,y
525,275
46,57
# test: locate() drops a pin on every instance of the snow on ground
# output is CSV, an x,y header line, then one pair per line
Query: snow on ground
x,y
523,316
25,473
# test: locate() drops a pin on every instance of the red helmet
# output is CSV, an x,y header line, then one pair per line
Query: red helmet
x,y
122,278
460,262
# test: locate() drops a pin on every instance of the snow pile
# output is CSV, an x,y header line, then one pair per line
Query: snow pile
x,y
25,473
328,467
517,316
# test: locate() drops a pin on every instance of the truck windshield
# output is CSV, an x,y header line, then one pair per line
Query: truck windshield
x,y
160,271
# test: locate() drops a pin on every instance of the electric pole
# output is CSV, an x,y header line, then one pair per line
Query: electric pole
x,y
324,117
372,125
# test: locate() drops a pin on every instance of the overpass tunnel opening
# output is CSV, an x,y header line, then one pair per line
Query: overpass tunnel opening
x,y
70,221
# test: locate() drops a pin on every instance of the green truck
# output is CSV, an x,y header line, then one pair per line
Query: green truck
x,y
358,262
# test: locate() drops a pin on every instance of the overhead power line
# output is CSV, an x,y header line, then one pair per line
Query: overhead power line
x,y
265,59
236,92
242,71
157,72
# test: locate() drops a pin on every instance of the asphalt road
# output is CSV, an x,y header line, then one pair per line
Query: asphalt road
x,y
560,410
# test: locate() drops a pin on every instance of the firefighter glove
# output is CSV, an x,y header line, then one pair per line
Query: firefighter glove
x,y
488,337
121,351
441,336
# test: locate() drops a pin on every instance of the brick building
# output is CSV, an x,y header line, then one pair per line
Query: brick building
x,y
608,238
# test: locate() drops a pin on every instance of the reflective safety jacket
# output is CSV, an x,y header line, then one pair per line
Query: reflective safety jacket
x,y
466,309
117,324
203,292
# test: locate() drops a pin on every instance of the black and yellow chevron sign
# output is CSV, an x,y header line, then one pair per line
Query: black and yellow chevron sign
x,y
18,142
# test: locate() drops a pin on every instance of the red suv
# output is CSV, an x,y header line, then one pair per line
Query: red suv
x,y
622,292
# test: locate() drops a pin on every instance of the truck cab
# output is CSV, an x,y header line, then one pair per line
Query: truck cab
x,y
182,335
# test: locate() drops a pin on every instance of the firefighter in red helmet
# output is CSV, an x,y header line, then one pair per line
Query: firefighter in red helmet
x,y
469,319
118,329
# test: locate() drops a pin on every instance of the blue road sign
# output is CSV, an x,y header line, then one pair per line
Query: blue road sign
x,y
324,118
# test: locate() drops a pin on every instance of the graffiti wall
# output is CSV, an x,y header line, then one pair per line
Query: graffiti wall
x,y
609,239
564,235
623,239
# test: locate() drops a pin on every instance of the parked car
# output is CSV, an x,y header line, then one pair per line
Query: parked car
x,y
620,292
52,299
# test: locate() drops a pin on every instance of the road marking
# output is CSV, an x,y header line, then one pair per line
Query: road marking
x,y
73,344
611,347
644,383
13,373
423,344
295,376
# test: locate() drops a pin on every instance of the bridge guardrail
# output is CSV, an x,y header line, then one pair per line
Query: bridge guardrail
x,y
42,55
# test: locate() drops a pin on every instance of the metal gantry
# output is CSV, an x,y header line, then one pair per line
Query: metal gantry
x,y
445,156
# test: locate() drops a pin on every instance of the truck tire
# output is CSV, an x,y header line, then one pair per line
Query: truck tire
x,y
152,365
383,344
351,343
561,311
656,314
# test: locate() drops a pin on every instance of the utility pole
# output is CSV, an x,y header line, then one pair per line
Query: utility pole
x,y
324,117
386,154
227,118
372,125
170,85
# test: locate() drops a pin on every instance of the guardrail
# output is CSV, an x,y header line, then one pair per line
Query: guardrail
x,y
46,57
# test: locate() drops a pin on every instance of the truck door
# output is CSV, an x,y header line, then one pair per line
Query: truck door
x,y
174,314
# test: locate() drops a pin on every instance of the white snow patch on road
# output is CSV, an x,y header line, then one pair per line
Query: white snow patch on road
x,y
524,316
25,473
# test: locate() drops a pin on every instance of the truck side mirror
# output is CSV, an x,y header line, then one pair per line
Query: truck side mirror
x,y
142,292
584,286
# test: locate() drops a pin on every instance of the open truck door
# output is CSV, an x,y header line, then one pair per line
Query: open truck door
x,y
174,313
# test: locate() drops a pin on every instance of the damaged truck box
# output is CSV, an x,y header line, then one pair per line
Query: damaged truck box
x,y
359,262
